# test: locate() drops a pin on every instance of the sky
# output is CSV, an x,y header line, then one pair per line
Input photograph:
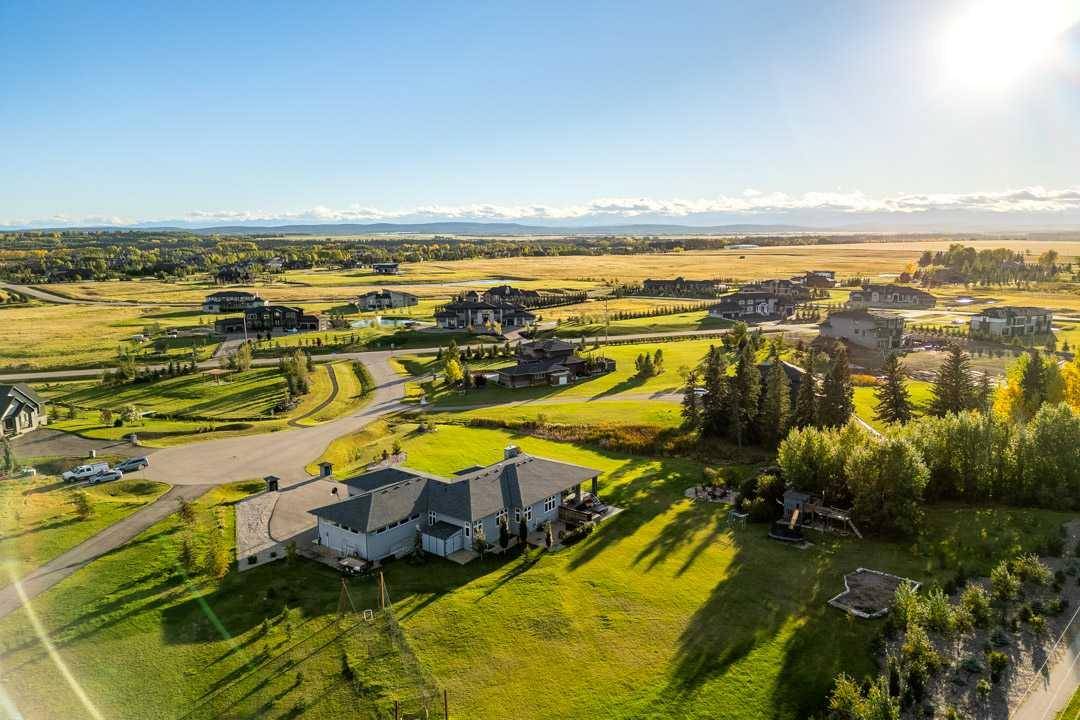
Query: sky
x,y
910,112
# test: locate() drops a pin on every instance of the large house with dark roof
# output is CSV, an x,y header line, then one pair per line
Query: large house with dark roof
x,y
386,300
21,410
229,301
472,312
272,318
891,296
753,306
873,329
387,509
550,362
1012,321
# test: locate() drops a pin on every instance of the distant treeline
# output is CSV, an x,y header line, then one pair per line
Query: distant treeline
x,y
58,256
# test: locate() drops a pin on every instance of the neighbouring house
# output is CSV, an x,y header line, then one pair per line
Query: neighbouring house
x,y
781,287
817,279
1012,321
473,313
389,511
874,329
21,410
385,300
550,362
386,268
274,265
891,296
511,294
681,287
753,306
272,318
794,376
229,301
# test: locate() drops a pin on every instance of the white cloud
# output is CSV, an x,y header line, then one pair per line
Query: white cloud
x,y
748,205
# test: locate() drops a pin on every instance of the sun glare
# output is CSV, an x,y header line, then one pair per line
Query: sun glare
x,y
993,43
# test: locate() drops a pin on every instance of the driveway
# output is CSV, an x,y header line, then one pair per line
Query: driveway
x,y
54,443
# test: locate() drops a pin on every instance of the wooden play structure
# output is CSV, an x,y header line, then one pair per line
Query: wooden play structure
x,y
806,511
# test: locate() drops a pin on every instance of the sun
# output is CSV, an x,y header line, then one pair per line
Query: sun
x,y
993,43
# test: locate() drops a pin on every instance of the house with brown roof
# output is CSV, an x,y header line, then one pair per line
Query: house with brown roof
x,y
550,362
891,296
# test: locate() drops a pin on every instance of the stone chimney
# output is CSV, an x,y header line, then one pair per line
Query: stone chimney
x,y
272,483
326,469
511,451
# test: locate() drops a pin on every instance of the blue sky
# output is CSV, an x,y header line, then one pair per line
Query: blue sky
x,y
819,113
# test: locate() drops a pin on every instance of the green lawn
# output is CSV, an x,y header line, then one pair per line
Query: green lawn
x,y
238,403
661,613
866,401
615,412
143,640
38,521
249,394
1072,712
622,382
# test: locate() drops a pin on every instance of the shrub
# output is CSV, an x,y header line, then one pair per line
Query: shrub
x,y
983,688
1029,568
997,662
1003,583
907,605
939,613
976,603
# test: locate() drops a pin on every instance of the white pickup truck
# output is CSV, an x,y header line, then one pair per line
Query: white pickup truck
x,y
85,472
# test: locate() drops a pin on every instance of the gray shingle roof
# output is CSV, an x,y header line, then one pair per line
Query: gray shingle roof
x,y
378,508
519,481
19,394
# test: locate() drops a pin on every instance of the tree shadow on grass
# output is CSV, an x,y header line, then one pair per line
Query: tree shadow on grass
x,y
643,492
627,385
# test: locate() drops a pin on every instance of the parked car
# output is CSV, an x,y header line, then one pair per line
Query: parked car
x,y
85,472
107,476
132,464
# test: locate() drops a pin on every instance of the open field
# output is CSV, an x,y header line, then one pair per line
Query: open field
x,y
1072,712
641,412
663,612
38,520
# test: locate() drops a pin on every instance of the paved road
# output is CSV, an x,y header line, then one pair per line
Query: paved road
x,y
46,296
1051,693
283,453
105,541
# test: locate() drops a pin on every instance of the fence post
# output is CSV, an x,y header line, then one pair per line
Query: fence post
x,y
445,706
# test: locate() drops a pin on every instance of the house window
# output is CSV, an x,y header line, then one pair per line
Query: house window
x,y
478,528
500,517
528,513
517,514
432,517
252,559
550,503
466,531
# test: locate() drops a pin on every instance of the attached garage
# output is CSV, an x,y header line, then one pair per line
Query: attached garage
x,y
443,538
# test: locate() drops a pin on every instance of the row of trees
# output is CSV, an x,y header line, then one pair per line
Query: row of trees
x,y
647,365
735,398
994,266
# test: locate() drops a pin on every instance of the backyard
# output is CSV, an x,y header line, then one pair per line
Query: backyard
x,y
663,612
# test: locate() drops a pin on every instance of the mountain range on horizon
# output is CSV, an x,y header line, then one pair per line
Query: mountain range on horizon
x,y
514,229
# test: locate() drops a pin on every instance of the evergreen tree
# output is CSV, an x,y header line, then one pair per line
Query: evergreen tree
x,y
954,389
985,393
523,531
837,404
775,418
1033,382
714,420
691,410
893,398
805,413
745,394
